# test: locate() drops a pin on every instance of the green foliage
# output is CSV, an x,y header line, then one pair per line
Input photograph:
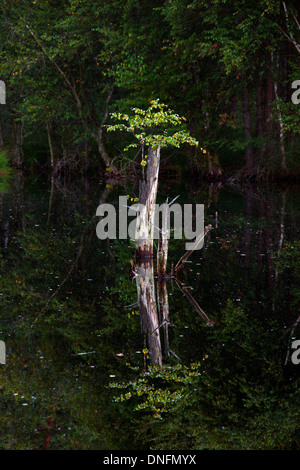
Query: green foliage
x,y
76,355
236,397
289,114
5,172
288,264
144,125
160,391
62,62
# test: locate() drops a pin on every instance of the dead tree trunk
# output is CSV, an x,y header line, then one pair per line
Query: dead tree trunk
x,y
193,302
147,200
162,256
186,255
163,246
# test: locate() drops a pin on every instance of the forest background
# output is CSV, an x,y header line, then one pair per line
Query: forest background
x,y
231,68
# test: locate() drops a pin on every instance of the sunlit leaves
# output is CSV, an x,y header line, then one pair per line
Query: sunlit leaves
x,y
153,126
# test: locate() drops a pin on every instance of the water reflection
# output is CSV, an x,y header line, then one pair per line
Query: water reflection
x,y
48,241
154,309
148,310
12,218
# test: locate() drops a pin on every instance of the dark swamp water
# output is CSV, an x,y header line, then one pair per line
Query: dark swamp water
x,y
78,371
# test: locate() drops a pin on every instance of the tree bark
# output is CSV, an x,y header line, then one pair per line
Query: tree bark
x,y
148,310
163,246
164,312
147,200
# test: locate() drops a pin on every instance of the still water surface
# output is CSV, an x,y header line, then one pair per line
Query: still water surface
x,y
79,319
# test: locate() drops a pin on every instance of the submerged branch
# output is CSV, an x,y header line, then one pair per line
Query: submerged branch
x,y
194,303
186,255
74,265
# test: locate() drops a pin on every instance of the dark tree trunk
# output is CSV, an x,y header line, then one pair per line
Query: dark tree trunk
x,y
249,156
17,155
1,137
259,108
268,110
100,137
103,152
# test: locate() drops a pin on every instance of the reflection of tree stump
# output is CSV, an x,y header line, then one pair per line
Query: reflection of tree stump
x,y
144,252
164,313
148,310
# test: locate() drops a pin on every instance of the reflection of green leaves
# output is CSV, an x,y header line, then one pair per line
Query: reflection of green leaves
x,y
46,378
229,399
153,391
4,162
5,172
288,263
4,183
289,257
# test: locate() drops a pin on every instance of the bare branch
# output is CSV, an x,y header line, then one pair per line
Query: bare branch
x,y
188,253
